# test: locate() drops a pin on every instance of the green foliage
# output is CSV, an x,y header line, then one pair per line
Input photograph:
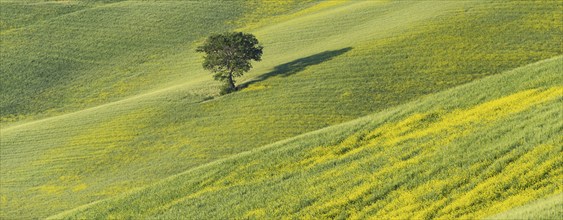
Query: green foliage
x,y
228,55
227,88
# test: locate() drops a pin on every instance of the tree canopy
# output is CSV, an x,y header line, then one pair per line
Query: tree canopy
x,y
228,55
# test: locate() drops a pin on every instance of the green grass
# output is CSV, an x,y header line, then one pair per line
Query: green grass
x,y
115,98
549,208
72,55
469,152
98,55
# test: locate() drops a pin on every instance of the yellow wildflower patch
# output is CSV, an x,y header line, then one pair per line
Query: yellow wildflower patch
x,y
518,174
255,87
50,189
79,187
255,214
429,131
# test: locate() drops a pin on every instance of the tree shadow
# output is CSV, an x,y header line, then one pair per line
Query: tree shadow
x,y
293,67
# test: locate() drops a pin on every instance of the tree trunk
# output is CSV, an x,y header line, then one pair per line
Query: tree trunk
x,y
231,81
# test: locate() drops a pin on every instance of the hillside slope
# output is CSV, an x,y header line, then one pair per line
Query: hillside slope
x,y
548,208
137,107
63,56
469,152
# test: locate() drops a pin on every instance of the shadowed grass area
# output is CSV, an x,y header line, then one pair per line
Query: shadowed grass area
x,y
288,69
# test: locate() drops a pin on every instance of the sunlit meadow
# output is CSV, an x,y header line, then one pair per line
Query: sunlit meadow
x,y
359,109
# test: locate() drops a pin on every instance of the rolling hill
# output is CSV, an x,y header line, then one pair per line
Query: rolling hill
x,y
106,101
468,152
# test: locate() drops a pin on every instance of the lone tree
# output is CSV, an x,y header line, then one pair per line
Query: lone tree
x,y
228,55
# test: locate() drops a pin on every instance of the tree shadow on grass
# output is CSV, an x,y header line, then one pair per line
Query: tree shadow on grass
x,y
293,67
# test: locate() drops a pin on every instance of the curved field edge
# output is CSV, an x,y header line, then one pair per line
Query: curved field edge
x,y
156,66
548,208
455,154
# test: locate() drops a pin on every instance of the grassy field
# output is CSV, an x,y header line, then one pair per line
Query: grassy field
x,y
102,53
101,98
549,208
72,55
469,152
